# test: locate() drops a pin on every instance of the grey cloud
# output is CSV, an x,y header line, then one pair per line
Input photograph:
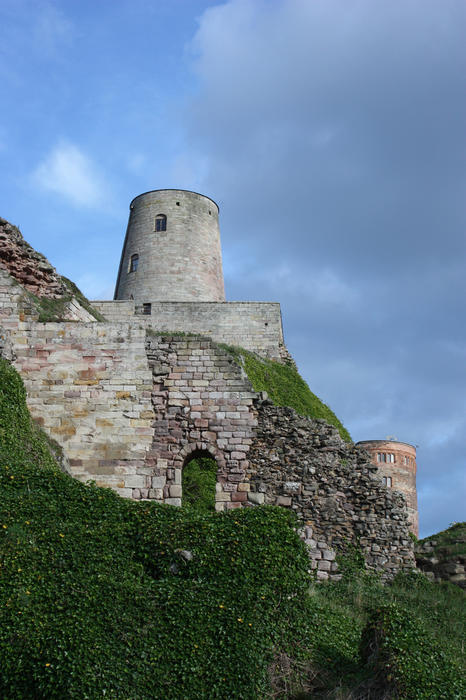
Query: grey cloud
x,y
334,137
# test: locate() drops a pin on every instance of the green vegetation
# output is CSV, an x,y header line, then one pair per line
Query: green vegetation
x,y
97,599
55,309
84,301
448,543
199,479
285,387
153,332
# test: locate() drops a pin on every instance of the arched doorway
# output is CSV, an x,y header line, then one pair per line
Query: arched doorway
x,y
198,480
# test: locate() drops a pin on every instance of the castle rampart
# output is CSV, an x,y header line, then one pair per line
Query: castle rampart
x,y
254,325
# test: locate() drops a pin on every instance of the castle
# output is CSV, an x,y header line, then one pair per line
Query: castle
x,y
132,389
171,277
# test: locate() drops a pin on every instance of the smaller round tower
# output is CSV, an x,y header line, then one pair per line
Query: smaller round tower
x,y
396,462
172,249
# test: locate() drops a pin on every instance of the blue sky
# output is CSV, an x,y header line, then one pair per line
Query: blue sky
x,y
330,132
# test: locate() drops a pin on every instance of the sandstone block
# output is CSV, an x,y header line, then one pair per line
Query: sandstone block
x,y
283,501
322,575
255,497
323,565
173,501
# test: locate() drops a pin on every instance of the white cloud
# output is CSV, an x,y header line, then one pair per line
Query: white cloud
x,y
69,172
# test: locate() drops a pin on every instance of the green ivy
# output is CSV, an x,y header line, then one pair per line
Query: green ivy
x,y
400,646
105,597
199,480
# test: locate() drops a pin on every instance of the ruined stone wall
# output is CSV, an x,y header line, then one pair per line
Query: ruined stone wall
x,y
28,267
23,273
396,464
303,464
256,326
203,404
443,565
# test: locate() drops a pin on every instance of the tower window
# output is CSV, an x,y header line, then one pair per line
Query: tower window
x,y
146,309
387,480
134,262
160,223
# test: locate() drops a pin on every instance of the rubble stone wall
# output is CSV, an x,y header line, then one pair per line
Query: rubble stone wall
x,y
333,487
441,567
401,471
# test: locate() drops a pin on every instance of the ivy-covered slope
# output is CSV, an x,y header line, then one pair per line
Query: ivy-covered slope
x,y
285,387
104,597
98,598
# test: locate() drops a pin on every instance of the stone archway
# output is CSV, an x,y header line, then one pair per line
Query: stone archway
x,y
212,451
199,480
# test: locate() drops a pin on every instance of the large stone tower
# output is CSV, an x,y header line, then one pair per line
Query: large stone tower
x,y
396,462
172,249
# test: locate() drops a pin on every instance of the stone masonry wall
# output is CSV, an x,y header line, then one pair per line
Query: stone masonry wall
x,y
203,405
256,326
303,464
89,386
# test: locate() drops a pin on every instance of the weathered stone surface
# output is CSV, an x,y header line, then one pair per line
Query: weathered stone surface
x,y
341,495
28,267
442,566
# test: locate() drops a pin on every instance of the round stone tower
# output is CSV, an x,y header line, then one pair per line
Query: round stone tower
x,y
397,467
172,249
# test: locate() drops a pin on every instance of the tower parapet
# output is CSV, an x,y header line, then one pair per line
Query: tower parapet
x,y
172,249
